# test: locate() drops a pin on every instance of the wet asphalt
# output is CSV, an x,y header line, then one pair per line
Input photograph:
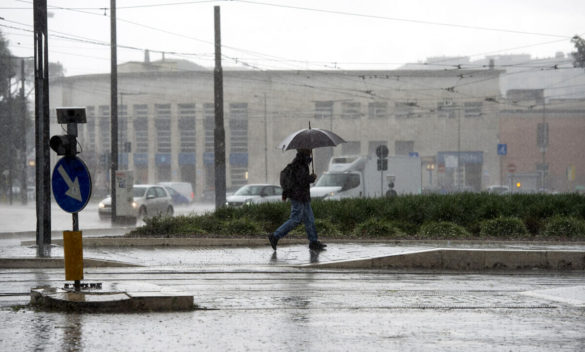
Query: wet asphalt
x,y
253,299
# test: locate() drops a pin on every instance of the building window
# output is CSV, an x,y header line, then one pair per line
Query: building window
x,y
187,127
122,128
472,109
404,110
90,127
162,124
104,126
351,110
373,145
141,128
238,143
378,110
403,147
209,126
323,110
446,109
239,128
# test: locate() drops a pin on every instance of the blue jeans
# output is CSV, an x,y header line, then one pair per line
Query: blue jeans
x,y
299,212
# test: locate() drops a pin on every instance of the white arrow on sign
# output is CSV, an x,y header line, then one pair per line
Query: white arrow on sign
x,y
73,191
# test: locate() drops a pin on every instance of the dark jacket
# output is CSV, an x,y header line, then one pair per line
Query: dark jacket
x,y
303,179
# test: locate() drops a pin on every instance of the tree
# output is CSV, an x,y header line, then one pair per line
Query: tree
x,y
579,55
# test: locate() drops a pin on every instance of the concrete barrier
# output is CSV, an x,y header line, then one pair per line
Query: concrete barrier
x,y
469,259
56,299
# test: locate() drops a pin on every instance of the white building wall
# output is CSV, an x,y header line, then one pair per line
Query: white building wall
x,y
290,98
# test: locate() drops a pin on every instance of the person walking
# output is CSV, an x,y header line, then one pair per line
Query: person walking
x,y
300,199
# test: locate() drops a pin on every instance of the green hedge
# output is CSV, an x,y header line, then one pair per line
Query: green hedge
x,y
460,215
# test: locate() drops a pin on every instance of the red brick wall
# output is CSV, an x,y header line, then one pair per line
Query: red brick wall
x,y
566,145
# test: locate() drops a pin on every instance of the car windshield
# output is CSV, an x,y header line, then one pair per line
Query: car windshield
x,y
345,181
171,191
249,191
139,191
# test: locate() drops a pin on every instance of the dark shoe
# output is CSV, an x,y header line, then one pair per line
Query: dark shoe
x,y
273,241
317,246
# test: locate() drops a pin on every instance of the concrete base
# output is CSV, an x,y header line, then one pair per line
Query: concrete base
x,y
56,299
469,259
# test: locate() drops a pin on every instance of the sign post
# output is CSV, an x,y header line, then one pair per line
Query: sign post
x,y
382,153
502,151
71,183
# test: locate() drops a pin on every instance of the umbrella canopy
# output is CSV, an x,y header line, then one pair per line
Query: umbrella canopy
x,y
310,138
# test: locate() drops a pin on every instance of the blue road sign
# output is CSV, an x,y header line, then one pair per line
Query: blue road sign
x,y
502,149
71,184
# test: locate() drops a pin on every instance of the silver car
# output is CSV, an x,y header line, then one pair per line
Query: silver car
x,y
148,200
255,193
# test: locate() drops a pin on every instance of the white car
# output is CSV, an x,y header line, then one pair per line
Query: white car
x,y
255,193
148,200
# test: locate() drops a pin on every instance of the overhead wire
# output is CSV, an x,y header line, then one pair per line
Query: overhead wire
x,y
189,54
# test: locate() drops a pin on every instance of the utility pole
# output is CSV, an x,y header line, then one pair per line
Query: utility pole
x,y
11,131
42,157
219,131
23,161
113,108
265,143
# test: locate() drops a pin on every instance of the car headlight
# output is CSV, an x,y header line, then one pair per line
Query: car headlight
x,y
248,201
134,205
101,205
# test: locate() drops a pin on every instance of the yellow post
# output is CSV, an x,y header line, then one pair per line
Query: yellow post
x,y
73,247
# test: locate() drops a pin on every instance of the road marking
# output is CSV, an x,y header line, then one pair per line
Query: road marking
x,y
74,190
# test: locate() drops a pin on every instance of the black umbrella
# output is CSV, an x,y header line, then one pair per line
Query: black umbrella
x,y
310,138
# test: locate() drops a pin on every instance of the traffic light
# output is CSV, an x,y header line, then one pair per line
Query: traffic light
x,y
67,144
64,145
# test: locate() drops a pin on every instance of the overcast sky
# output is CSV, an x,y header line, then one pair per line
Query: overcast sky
x,y
287,34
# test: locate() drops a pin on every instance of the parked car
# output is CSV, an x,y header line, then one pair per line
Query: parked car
x,y
178,198
148,200
255,193
498,189
183,188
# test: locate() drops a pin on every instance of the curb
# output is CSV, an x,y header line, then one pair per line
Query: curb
x,y
90,242
56,299
468,259
58,263
262,241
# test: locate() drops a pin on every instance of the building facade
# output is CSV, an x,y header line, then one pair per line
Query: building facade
x,y
166,118
545,138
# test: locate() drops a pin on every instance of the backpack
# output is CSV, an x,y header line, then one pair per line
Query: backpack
x,y
287,180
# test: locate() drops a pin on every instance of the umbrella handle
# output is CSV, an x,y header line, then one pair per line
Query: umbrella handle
x,y
312,161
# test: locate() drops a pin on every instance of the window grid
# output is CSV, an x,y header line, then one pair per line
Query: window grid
x,y
472,109
187,127
162,125
141,128
104,126
351,110
90,126
446,109
209,122
323,110
238,128
378,110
